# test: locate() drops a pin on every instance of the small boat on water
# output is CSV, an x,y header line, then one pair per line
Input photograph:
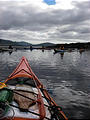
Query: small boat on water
x,y
59,50
23,97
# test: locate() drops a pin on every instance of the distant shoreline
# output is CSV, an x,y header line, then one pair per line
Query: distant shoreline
x,y
24,45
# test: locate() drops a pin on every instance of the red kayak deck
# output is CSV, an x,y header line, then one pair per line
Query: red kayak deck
x,y
24,70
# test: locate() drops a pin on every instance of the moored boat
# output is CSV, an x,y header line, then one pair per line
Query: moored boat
x,y
23,97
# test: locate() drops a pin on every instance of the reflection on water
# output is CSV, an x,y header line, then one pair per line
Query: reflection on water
x,y
61,54
66,76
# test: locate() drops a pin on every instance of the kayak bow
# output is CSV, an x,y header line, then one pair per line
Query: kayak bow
x,y
30,99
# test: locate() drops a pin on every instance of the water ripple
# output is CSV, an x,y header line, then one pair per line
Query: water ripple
x,y
67,78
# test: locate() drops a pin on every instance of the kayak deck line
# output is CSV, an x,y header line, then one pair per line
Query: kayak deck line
x,y
30,96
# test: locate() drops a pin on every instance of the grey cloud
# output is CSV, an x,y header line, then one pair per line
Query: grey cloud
x,y
14,15
27,16
76,28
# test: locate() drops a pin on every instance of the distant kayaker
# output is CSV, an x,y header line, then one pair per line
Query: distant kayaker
x,y
61,47
10,47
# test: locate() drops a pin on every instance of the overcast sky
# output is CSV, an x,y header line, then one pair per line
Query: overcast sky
x,y
37,21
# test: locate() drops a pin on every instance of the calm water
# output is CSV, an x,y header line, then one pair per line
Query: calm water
x,y
67,77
